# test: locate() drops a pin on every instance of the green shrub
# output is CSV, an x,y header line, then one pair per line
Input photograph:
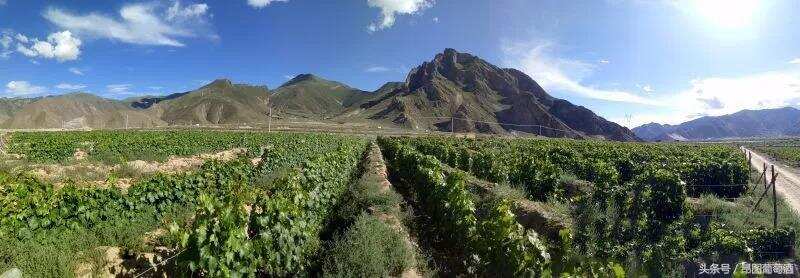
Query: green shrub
x,y
369,248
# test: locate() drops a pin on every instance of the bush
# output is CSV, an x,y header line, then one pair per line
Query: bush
x,y
369,248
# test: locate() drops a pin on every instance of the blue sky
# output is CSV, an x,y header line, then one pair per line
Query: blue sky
x,y
631,61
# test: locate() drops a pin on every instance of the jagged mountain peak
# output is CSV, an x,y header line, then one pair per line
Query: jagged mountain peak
x,y
494,100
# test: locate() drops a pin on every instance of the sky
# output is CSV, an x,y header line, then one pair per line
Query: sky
x,y
630,61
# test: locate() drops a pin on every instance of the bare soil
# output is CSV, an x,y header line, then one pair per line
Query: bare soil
x,y
375,169
787,184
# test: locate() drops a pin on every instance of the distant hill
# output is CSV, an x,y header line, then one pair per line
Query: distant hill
x,y
145,102
310,96
742,124
478,95
77,110
220,102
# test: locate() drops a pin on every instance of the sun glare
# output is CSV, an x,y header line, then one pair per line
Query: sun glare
x,y
728,13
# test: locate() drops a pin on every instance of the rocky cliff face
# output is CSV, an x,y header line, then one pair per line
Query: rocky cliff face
x,y
477,96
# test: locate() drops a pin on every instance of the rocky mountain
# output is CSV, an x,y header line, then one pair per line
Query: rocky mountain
x,y
454,91
742,124
220,102
309,96
77,110
461,92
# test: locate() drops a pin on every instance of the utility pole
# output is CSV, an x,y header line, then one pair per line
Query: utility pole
x,y
126,121
453,109
269,122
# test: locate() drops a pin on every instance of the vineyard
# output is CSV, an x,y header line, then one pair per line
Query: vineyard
x,y
332,205
787,151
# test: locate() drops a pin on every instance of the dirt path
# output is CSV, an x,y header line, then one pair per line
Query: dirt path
x,y
375,174
787,184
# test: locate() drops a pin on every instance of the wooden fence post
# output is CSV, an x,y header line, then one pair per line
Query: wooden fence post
x,y
774,200
765,176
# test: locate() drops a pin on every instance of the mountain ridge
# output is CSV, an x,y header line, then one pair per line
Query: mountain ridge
x,y
775,122
452,92
454,86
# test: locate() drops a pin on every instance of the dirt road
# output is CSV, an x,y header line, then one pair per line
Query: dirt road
x,y
787,183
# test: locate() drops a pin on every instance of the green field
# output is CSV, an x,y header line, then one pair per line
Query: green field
x,y
322,205
787,151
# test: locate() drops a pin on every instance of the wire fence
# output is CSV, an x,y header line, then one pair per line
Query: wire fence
x,y
161,263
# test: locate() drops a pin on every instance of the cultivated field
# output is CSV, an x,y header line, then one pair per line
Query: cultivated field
x,y
216,203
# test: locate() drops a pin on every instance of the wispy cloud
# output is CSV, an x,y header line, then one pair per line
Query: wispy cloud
x,y
140,23
377,69
646,88
24,88
76,71
795,61
70,87
119,89
263,3
556,74
390,9
604,61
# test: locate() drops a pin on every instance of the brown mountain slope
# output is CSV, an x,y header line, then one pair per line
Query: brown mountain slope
x,y
220,102
480,95
78,110
309,96
10,106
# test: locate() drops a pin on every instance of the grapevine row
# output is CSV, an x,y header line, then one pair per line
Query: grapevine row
x,y
494,244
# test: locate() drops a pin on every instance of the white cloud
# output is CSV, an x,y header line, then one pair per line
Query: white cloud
x,y
61,46
5,45
22,38
119,88
604,61
561,74
376,69
141,23
263,3
646,88
5,41
194,11
26,51
391,8
3,2
795,61
288,76
76,71
22,88
435,20
716,96
70,87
